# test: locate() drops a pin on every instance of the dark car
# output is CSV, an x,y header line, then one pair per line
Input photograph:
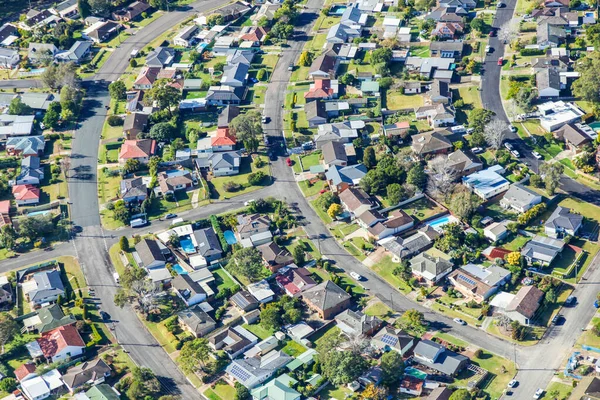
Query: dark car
x,y
272,156
169,216
105,316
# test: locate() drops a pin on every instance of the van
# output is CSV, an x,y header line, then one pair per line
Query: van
x,y
116,277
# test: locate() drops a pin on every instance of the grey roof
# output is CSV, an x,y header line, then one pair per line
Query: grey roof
x,y
347,174
160,57
197,319
440,393
456,46
395,338
29,144
31,167
352,14
439,89
562,218
64,5
359,322
225,93
407,247
186,286
208,243
251,371
38,101
227,114
244,300
573,134
135,121
520,196
326,295
48,284
434,265
445,361
235,73
430,142
149,252
334,151
241,56
462,160
315,109
542,248
85,372
52,317
548,78
550,33
76,52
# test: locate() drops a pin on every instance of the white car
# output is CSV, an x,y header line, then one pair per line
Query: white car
x,y
537,155
487,49
515,153
356,276
459,321
538,393
247,203
476,150
512,383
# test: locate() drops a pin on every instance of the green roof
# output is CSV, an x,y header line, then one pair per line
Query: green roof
x,y
277,389
102,392
304,358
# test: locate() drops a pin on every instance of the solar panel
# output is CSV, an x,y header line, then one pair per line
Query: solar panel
x,y
239,373
468,280
389,340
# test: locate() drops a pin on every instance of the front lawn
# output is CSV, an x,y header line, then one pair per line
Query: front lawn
x,y
385,268
322,214
422,209
221,391
378,309
310,160
293,348
558,390
246,168
394,100
312,190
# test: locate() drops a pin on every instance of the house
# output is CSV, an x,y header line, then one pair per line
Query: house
x,y
392,339
173,181
398,221
431,266
233,341
412,87
334,153
146,78
478,283
573,135
464,4
372,376
41,387
547,81
261,291
134,124
101,31
496,230
588,388
343,32
342,51
555,114
133,190
428,66
92,372
263,347
323,67
255,34
355,323
405,248
397,130
316,113
9,58
244,301
295,280
66,9
226,115
519,198
131,12
140,149
463,162
563,222
39,52
324,89
77,53
542,250
15,125
189,291
437,357
253,371
437,115
549,35
440,393
235,75
186,36
344,132
447,49
342,178
209,246
251,225
160,57
62,343
223,140
447,14
279,388
32,171
559,63
356,201
25,371
233,11
448,30
327,299
45,287
8,34
149,254
6,292
26,194
521,306
25,146
102,392
274,256
49,318
224,95
430,143
411,385
39,19
439,93
196,321
220,164
487,183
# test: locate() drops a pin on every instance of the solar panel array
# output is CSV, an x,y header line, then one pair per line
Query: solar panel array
x,y
239,373
466,279
389,340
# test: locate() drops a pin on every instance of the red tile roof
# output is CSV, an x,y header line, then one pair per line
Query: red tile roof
x,y
24,370
223,138
147,76
4,207
137,149
321,88
497,252
54,341
26,192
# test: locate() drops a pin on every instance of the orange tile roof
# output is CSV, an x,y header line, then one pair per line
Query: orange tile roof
x,y
147,76
223,138
137,148
24,370
25,192
321,88
56,340
4,207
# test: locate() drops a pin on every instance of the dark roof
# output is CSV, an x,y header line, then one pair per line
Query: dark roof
x,y
244,300
85,372
572,134
135,121
225,94
562,217
526,301
449,45
7,30
197,319
440,393
227,114
359,322
208,242
429,142
315,109
186,286
275,255
323,63
333,151
444,360
326,295
52,317
548,78
149,251
160,56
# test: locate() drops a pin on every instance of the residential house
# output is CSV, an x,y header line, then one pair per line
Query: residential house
x,y
487,183
492,253
256,35
342,178
226,115
411,385
77,53
431,266
253,371
32,172
6,292
559,63
588,388
133,190
323,67
189,291
5,213
295,280
341,51
186,36
356,201
49,318
251,225
101,31
38,19
225,95
8,34
324,89
447,14
244,301
196,321
149,254
327,299
219,164
66,9
223,140
519,198
398,221
209,246
478,283
448,30
396,131
447,49
279,388
316,113
160,57
61,344
240,57
464,163
140,150
439,93
40,52
274,256
131,12
134,124
440,393
233,11
430,143
573,135
261,291
355,323
555,114
412,87
92,372
343,32
549,35
392,339
496,230
9,58
464,4
521,306
405,248
41,387
437,357
263,347
102,392
171,182
233,341
548,84
266,10
334,153
25,371
26,195
563,222
15,125
235,75
542,250
428,66
344,132
146,78
437,115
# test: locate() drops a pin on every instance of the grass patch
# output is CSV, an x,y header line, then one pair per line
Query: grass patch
x,y
516,243
422,209
396,101
221,391
322,214
310,160
222,280
293,348
259,331
313,189
385,268
378,309
562,391
246,168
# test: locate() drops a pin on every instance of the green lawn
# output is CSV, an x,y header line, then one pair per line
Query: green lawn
x,y
108,186
385,268
422,209
342,230
378,309
394,100
588,337
293,348
221,391
308,246
242,179
313,189
323,336
470,96
73,272
420,51
310,160
560,391
222,280
259,331
516,243
318,42
322,214
111,132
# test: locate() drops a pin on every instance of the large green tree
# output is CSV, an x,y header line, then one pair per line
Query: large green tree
x,y
478,118
392,367
247,128
587,86
52,115
8,236
144,384
194,355
164,94
8,330
117,90
342,367
246,262
17,107
551,174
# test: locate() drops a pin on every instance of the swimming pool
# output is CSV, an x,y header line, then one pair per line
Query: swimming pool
x,y
187,245
438,223
36,213
337,10
172,173
179,269
230,237
415,372
595,125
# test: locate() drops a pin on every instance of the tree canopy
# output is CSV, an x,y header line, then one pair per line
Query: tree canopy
x,y
246,262
248,129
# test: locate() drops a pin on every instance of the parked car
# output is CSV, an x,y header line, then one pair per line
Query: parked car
x,y
571,301
596,304
476,150
356,276
247,203
459,321
538,393
508,146
501,5
500,61
288,162
512,383
515,153
537,155
513,129
492,32
291,67
170,215
265,120
488,49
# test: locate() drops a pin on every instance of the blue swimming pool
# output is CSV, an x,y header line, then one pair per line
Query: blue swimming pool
x,y
337,10
36,213
179,269
415,372
187,245
439,222
230,237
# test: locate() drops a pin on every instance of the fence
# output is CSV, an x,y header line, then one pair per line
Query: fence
x,y
21,273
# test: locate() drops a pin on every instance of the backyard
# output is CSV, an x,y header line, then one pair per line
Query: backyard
x,y
422,209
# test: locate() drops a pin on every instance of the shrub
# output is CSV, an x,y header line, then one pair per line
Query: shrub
x,y
261,74
115,120
231,186
532,52
256,178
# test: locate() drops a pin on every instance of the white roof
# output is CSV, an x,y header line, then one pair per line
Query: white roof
x,y
53,379
3,280
261,290
35,388
299,330
178,230
198,261
392,21
34,349
32,321
159,274
502,300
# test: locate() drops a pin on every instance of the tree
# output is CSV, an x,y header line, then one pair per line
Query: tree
x,y
413,319
551,174
535,180
7,385
509,31
161,132
117,90
8,329
382,55
84,8
385,82
416,176
247,128
99,6
35,227
256,178
395,193
442,176
214,19
270,317
514,258
299,255
144,384
282,30
369,159
124,243
8,237
17,107
392,367
494,133
326,200
460,394
478,118
587,86
194,355
525,98
158,4
342,367
372,392
52,115
121,298
241,392
334,210
165,95
246,262
477,24
463,203
347,79
550,297
131,165
305,59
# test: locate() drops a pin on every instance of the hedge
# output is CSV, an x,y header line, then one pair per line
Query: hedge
x,y
96,337
217,228
532,52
